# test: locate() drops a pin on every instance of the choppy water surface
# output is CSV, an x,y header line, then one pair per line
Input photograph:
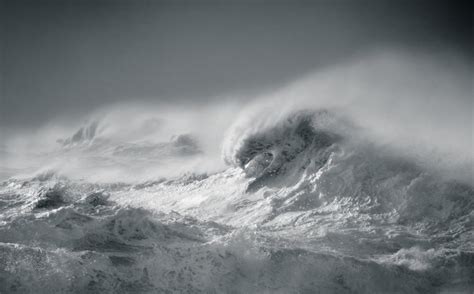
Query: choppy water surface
x,y
303,206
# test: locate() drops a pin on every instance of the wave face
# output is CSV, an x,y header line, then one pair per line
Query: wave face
x,y
311,153
308,205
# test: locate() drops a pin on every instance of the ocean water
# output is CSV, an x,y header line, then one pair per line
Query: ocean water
x,y
357,179
303,205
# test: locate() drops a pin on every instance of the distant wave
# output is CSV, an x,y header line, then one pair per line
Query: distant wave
x,y
85,134
180,145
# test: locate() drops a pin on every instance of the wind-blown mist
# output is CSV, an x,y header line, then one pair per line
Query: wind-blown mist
x,y
126,143
353,179
413,104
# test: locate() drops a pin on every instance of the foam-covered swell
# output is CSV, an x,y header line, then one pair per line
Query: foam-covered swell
x,y
324,159
332,193
72,239
81,242
311,206
322,176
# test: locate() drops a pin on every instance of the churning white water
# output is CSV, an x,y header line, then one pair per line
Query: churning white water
x,y
337,183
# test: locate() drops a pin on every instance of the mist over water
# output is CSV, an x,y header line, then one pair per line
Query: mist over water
x,y
356,178
411,103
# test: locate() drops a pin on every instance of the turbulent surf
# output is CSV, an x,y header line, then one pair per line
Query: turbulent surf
x,y
286,200
303,207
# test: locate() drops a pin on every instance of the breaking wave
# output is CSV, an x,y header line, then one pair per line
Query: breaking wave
x,y
310,201
310,152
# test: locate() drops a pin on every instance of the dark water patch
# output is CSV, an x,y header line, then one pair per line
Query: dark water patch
x,y
97,199
50,198
121,260
103,243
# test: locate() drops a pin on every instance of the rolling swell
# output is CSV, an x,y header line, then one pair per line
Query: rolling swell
x,y
90,247
324,210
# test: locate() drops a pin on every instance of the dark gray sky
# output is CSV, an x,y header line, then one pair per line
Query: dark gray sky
x,y
69,57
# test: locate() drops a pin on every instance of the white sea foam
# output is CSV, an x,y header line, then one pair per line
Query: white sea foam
x,y
330,184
